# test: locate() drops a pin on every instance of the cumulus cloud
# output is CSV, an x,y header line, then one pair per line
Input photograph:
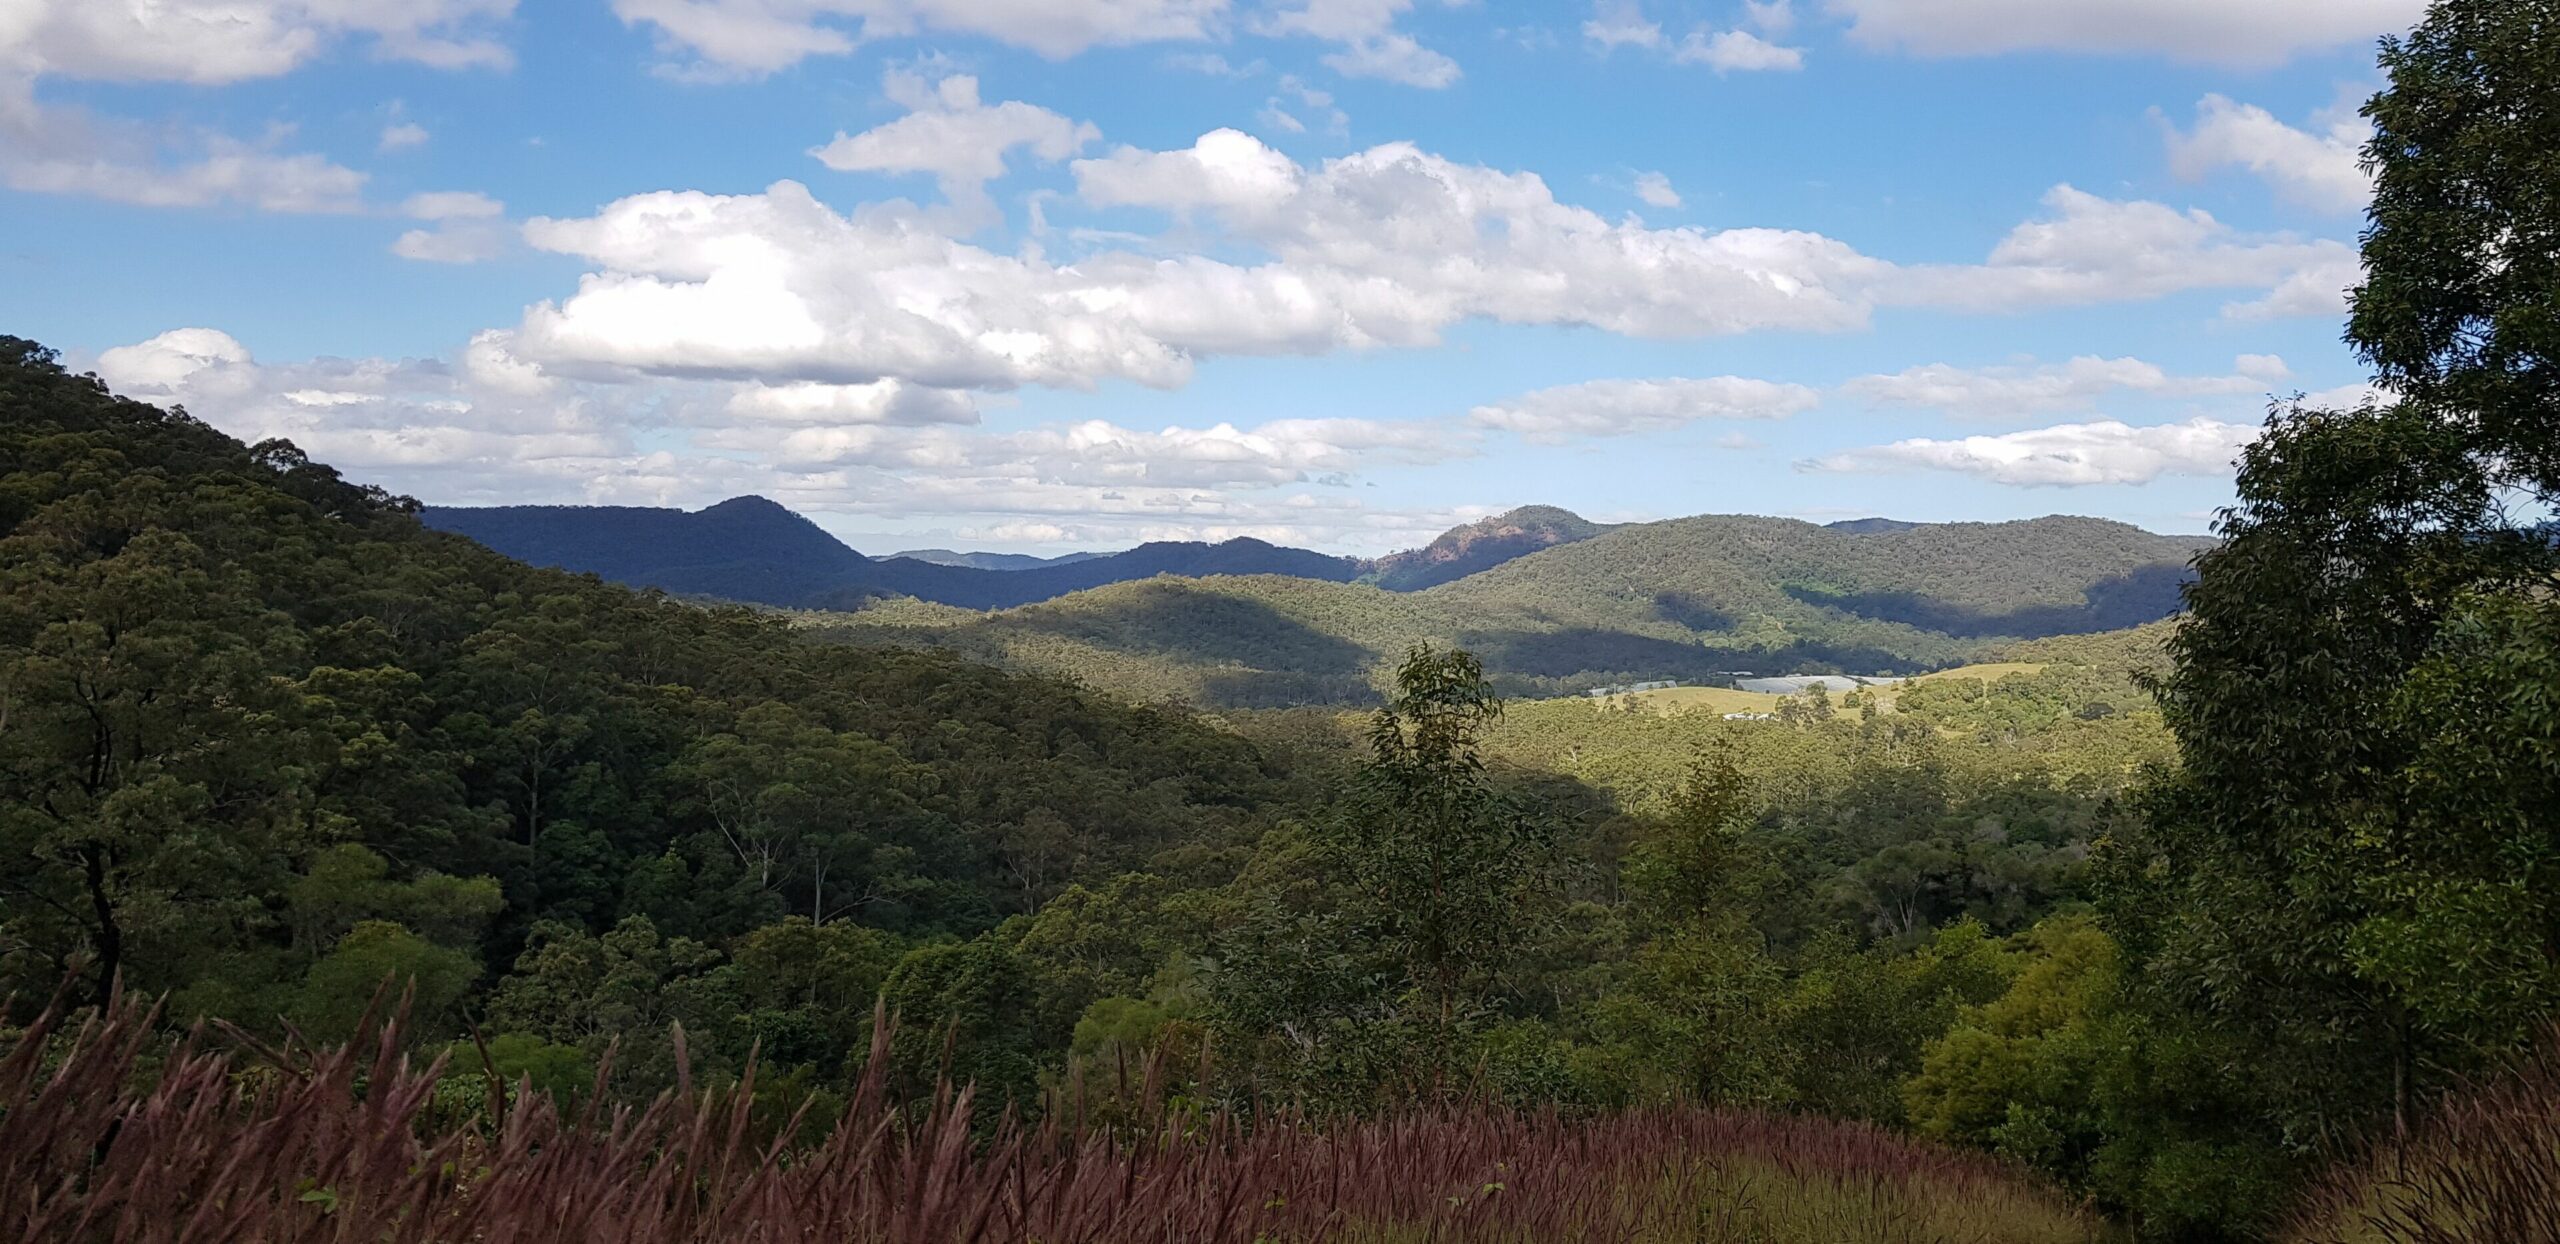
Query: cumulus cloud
x,y
64,150
1371,46
889,402
948,133
755,37
1736,51
1625,407
2071,454
1621,23
213,42
468,228
1656,191
400,136
406,422
2319,169
2010,392
1387,247
2317,288
2092,249
2220,32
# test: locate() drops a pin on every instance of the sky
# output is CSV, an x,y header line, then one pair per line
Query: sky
x,y
1036,275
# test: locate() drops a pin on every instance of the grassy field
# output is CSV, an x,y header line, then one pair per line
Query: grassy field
x,y
1722,700
1989,671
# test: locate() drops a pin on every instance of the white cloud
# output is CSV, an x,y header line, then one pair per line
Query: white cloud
x,y
1387,247
2315,289
879,402
754,37
1736,51
212,42
401,136
2078,385
1384,248
402,422
1655,189
1371,46
1776,17
2221,32
452,205
455,241
1624,407
2103,452
1316,103
1621,23
50,150
2320,170
963,143
2089,249
468,229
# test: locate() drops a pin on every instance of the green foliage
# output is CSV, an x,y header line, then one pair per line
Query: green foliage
x,y
1457,873
374,957
2345,885
966,1011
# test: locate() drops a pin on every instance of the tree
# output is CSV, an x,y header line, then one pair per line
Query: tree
x,y
1456,871
2350,877
374,966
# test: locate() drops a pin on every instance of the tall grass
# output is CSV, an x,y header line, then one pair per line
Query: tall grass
x,y
2484,1170
113,1131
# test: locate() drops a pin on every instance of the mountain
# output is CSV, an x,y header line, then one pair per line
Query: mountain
x,y
1869,526
745,548
991,561
1481,545
971,588
1697,599
754,550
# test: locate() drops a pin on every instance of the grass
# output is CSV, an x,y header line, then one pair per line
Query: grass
x,y
1988,671
2485,1168
112,1131
1721,700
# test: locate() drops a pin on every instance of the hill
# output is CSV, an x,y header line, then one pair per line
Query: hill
x,y
1481,545
745,548
263,706
753,550
1698,600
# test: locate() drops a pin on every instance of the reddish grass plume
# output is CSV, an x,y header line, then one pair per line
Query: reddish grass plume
x,y
2484,1168
114,1130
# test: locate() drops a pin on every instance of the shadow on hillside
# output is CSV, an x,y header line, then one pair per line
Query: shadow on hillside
x,y
1179,620
1286,689
2145,594
1554,660
1689,611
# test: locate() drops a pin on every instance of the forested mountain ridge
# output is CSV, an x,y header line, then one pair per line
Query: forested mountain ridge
x,y
1690,599
253,711
755,551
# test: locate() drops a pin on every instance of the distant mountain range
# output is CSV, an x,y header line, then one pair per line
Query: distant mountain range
x,y
1553,601
752,549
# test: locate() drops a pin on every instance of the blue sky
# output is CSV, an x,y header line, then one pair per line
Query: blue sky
x,y
1042,274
